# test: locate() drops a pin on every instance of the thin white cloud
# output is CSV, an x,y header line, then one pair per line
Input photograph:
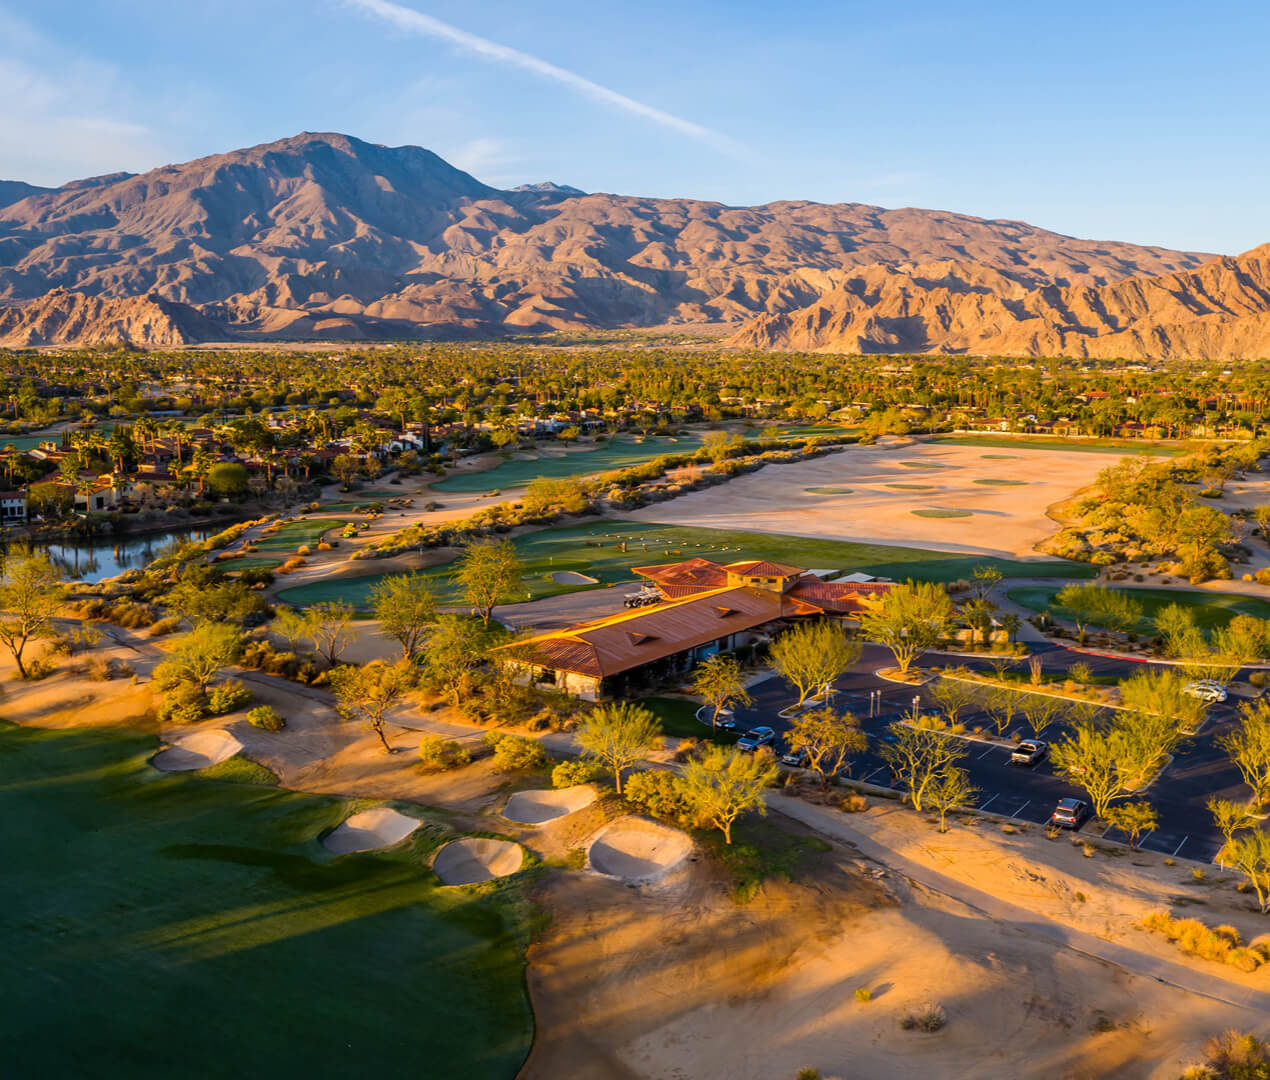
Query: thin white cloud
x,y
412,21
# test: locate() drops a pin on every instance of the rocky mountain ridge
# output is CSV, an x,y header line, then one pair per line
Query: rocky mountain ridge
x,y
327,236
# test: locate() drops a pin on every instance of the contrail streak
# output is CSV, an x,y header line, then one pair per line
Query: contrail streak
x,y
408,19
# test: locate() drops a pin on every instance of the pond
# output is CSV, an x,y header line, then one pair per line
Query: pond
x,y
95,560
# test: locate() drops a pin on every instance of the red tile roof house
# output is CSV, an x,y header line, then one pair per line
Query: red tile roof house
x,y
706,608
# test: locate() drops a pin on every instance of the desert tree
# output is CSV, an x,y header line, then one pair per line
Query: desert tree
x,y
488,572
1092,758
198,657
726,783
1248,747
829,739
31,593
331,628
917,756
1004,703
908,620
950,790
454,653
368,693
984,578
1250,854
406,607
1230,817
719,682
954,696
1040,711
1133,819
811,656
618,735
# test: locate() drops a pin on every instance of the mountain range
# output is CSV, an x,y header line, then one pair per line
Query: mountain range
x,y
324,236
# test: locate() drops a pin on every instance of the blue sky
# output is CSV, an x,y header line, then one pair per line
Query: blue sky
x,y
1117,120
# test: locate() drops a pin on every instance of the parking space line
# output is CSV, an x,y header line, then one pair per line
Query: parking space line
x,y
874,773
1179,846
987,752
1019,811
984,806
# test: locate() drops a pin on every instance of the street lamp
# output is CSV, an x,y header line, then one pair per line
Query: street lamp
x,y
917,701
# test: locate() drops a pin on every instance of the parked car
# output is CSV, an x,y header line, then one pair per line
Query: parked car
x,y
755,738
1070,814
796,759
1029,752
1206,690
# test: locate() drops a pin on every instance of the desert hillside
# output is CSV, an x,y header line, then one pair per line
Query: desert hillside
x,y
66,318
1221,309
329,236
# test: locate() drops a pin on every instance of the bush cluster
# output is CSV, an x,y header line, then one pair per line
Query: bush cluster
x,y
266,718
438,754
1221,944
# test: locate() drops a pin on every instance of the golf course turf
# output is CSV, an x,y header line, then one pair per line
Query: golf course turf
x,y
157,925
619,453
594,549
1210,608
1121,447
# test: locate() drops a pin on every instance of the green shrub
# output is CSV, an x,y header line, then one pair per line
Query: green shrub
x,y
438,754
227,698
863,995
660,794
266,718
514,753
571,773
183,704
167,625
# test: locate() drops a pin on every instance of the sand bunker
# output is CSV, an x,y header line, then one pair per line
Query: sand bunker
x,y
201,750
572,577
637,850
537,807
472,860
380,827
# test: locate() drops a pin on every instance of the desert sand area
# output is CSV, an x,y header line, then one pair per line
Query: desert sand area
x,y
973,499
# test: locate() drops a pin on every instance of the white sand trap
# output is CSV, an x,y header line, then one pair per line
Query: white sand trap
x,y
537,807
370,830
472,860
572,577
200,750
638,850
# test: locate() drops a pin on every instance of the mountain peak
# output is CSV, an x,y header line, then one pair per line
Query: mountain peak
x,y
549,187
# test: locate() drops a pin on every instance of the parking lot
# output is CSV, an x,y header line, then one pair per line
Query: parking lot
x,y
1027,794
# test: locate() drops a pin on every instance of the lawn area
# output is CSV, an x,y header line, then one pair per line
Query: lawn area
x,y
1120,447
250,562
619,453
1211,609
808,431
595,549
156,925
293,534
679,718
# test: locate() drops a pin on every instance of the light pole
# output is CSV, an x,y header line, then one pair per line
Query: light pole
x,y
917,701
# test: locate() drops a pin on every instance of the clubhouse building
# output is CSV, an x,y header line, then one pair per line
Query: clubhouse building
x,y
705,608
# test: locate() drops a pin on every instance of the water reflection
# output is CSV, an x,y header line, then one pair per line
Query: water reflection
x,y
93,560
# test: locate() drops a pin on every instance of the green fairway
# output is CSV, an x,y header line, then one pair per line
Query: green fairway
x,y
595,549
1121,447
620,453
809,431
249,562
293,534
1211,609
158,925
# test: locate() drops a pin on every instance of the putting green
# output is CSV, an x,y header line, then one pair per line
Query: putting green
x,y
198,927
295,533
595,549
921,464
617,454
938,512
1000,457
827,491
911,487
992,482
